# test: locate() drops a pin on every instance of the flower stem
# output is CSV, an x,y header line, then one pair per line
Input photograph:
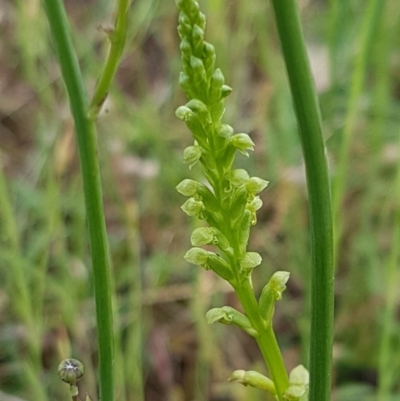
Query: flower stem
x,y
322,252
266,338
87,142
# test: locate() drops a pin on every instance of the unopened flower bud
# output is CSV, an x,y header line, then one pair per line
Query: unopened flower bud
x,y
225,91
186,48
70,370
225,131
238,177
183,113
217,78
198,69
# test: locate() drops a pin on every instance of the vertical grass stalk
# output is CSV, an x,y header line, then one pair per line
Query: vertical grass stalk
x,y
368,32
87,142
322,255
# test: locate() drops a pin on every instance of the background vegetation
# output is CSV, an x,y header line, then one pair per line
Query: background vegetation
x,y
165,349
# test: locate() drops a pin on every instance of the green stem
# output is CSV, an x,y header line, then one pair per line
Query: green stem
x,y
266,338
87,141
322,255
117,39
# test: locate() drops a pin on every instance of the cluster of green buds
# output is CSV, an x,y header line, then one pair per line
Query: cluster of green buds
x,y
228,202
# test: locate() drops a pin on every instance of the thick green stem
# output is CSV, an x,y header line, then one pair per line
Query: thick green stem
x,y
87,142
266,339
322,255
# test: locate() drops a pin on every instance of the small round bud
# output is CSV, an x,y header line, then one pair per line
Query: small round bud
x,y
238,177
197,106
217,78
225,130
183,113
186,48
226,91
70,370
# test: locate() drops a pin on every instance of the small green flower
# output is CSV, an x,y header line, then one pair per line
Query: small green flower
x,y
254,185
197,256
192,207
239,177
271,293
250,261
228,315
277,283
254,205
202,236
242,142
298,379
188,187
225,131
192,155
253,379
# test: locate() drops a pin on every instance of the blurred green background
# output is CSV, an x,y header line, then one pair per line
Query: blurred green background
x,y
164,348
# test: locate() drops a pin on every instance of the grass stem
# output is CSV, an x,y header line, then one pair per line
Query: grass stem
x,y
87,142
322,255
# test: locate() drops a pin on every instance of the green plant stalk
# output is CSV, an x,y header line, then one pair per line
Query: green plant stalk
x,y
117,37
266,339
87,141
322,255
368,31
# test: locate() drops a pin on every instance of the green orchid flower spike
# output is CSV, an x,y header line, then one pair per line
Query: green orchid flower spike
x,y
227,203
